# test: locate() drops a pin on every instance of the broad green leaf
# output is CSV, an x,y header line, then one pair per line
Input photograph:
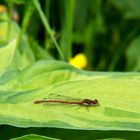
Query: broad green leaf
x,y
13,32
118,95
66,37
67,134
6,56
39,75
39,51
112,139
33,137
27,56
130,8
16,1
133,56
81,14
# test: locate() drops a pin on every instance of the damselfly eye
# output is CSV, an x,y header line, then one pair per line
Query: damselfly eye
x,y
95,102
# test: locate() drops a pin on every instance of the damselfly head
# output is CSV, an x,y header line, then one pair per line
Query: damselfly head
x,y
95,102
88,102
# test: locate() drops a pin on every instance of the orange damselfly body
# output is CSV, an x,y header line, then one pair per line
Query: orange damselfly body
x,y
69,100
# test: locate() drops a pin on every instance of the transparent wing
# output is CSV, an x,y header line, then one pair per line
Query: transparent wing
x,y
62,97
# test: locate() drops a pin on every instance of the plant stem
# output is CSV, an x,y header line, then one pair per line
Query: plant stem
x,y
28,12
48,28
66,38
47,13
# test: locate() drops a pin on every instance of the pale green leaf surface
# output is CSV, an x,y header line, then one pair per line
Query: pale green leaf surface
x,y
27,56
13,32
33,137
118,95
6,56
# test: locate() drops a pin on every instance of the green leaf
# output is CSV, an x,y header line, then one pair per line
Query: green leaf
x,y
13,32
27,57
133,56
6,56
66,37
81,14
118,95
39,51
112,139
16,1
130,8
33,137
67,134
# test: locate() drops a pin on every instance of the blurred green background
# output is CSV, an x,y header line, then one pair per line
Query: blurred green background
x,y
97,35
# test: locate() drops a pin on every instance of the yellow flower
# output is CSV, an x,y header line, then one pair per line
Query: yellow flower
x,y
2,9
79,61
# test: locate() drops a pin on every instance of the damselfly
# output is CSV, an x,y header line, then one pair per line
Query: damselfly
x,y
69,100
